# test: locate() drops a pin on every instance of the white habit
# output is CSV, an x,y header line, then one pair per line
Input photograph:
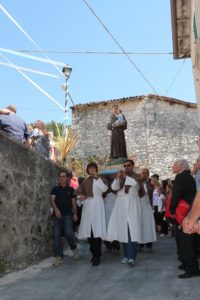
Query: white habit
x,y
93,213
126,212
148,222
109,202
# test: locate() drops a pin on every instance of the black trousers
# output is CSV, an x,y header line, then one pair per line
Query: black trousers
x,y
187,249
95,245
148,245
112,245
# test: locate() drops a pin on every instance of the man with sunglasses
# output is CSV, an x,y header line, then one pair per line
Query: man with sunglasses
x,y
64,213
125,221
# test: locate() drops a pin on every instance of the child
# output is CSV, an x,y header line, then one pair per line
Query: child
x,y
120,119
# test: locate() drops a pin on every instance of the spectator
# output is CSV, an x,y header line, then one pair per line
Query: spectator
x,y
79,205
64,213
14,126
40,139
190,224
52,147
155,200
184,188
163,226
74,181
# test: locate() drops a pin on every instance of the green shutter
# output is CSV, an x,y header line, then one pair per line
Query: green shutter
x,y
195,29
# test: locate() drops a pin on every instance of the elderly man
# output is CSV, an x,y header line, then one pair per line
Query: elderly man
x,y
13,126
184,188
190,224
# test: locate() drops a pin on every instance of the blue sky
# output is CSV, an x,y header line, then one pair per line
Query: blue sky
x,y
68,25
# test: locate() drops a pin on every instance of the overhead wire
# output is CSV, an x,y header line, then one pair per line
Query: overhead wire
x,y
119,45
20,53
28,36
90,52
129,58
81,52
29,70
175,77
35,109
33,82
34,43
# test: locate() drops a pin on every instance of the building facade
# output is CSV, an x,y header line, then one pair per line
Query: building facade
x,y
160,130
186,37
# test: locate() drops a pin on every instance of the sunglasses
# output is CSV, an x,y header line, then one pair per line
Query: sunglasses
x,y
126,166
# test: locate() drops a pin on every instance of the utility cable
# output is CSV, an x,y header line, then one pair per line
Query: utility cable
x,y
20,53
175,78
29,70
27,36
118,44
90,52
33,83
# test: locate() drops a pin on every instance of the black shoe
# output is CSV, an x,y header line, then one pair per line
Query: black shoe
x,y
182,267
189,275
96,261
91,260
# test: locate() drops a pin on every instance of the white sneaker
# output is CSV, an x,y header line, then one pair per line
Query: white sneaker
x,y
76,254
124,260
58,261
162,235
68,252
131,262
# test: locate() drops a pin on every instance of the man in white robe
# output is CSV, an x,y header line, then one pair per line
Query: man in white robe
x,y
148,222
125,222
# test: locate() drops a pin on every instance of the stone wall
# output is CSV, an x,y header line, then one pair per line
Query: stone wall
x,y
26,179
159,131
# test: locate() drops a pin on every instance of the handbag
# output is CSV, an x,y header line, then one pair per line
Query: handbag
x,y
181,212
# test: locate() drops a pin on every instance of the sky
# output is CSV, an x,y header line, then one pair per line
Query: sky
x,y
69,26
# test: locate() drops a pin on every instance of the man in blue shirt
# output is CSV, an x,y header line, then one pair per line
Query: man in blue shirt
x,y
64,213
13,126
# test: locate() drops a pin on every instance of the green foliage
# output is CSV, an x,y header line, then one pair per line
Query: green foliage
x,y
3,266
52,126
78,166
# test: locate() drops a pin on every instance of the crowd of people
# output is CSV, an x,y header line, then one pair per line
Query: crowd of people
x,y
34,136
128,211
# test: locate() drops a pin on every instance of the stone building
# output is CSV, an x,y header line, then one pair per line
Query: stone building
x,y
160,130
185,16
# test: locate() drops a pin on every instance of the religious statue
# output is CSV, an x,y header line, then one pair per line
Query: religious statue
x,y
117,125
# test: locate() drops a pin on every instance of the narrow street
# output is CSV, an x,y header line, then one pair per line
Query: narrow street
x,y
154,277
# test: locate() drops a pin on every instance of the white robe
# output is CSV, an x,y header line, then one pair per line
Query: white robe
x,y
109,202
93,213
126,212
148,222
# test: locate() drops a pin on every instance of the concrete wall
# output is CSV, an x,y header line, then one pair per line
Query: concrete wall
x,y
159,132
26,179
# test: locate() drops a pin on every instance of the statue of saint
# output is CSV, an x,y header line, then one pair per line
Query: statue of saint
x,y
117,125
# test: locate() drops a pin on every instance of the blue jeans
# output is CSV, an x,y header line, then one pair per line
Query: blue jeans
x,y
130,248
64,226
